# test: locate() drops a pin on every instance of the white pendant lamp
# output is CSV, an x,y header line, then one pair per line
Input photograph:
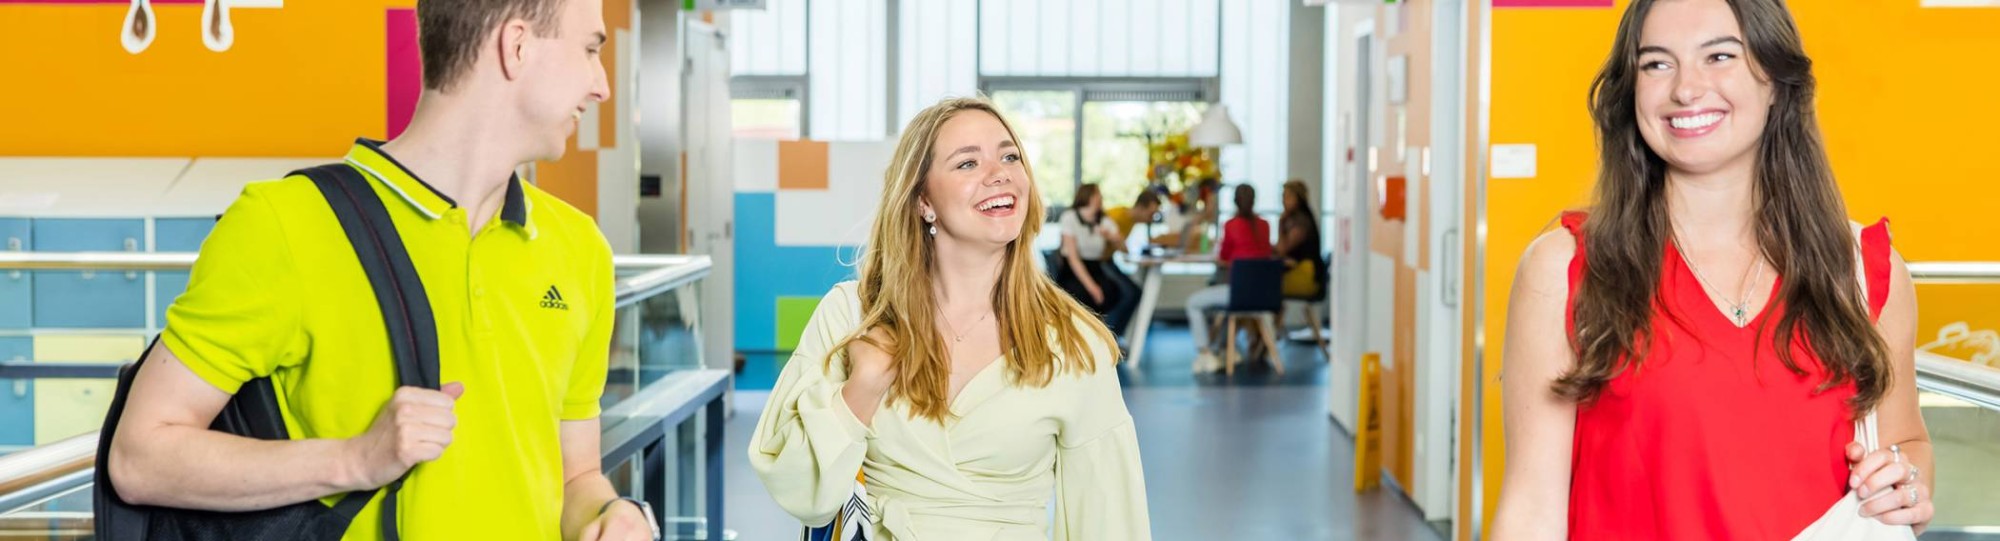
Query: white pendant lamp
x,y
1215,129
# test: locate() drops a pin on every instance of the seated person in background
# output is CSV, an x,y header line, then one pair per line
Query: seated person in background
x,y
1142,211
1087,242
1128,219
1187,223
1299,243
1245,236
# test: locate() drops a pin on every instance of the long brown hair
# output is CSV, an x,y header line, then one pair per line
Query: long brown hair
x,y
899,265
1801,223
1084,194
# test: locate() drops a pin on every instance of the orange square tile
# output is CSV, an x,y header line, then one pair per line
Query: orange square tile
x,y
802,165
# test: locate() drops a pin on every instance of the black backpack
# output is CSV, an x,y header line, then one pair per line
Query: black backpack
x,y
253,412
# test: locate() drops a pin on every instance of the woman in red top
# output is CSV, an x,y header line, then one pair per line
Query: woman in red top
x,y
1688,361
1244,236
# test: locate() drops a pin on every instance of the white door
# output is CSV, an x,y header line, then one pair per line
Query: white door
x,y
1351,256
711,188
1440,288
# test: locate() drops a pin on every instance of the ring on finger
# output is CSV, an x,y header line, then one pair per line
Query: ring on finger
x,y
1913,497
1913,476
1898,452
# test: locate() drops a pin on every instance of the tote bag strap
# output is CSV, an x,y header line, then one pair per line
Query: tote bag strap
x,y
1864,433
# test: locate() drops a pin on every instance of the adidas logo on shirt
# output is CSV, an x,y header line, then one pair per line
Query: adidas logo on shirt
x,y
553,299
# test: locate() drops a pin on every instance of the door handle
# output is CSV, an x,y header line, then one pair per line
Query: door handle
x,y
14,245
1450,273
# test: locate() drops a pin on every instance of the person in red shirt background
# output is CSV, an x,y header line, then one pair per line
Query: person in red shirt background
x,y
1244,236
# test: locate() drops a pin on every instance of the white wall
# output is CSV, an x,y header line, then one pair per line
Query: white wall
x,y
935,39
1306,121
848,70
1256,57
775,39
840,46
1099,38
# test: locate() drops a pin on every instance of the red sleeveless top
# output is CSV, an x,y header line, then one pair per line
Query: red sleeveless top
x,y
1711,437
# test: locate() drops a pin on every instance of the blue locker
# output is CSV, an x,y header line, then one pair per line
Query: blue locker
x,y
16,286
89,299
175,235
17,409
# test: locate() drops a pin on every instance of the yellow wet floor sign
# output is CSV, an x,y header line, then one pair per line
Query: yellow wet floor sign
x,y
1368,441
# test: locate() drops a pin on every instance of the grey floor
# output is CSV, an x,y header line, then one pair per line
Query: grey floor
x,y
1253,456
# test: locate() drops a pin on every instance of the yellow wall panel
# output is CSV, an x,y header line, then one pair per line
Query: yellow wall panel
x,y
68,407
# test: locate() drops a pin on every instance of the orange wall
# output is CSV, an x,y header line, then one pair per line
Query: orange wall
x,y
302,80
1412,39
1906,108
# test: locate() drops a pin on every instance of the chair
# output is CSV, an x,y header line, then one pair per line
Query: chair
x,y
1255,294
1309,306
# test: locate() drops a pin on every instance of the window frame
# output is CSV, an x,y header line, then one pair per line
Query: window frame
x,y
1106,89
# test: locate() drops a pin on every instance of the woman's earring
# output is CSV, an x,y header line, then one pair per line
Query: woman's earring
x,y
932,220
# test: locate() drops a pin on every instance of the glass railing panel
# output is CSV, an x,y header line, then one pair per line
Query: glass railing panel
x,y
657,401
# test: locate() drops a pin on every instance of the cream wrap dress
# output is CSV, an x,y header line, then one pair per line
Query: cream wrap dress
x,y
986,473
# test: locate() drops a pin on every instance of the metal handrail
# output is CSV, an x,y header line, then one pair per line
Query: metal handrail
x,y
662,273
643,424
41,465
1959,379
1955,272
180,261
673,271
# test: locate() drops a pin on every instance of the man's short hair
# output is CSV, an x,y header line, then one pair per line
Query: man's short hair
x,y
450,32
1147,197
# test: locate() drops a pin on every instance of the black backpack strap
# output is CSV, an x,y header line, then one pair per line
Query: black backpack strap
x,y
406,311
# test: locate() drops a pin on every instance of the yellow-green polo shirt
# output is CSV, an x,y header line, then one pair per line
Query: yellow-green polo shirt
x,y
524,312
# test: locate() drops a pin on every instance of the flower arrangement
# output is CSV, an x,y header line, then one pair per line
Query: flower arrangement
x,y
1176,166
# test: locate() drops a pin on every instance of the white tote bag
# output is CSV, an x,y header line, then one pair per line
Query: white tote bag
x,y
1844,521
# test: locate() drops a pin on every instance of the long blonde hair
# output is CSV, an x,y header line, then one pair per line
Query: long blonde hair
x,y
898,267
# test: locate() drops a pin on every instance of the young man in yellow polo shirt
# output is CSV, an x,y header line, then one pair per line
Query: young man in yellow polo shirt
x,y
1141,211
520,285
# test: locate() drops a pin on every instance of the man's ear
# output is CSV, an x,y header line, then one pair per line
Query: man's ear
x,y
511,44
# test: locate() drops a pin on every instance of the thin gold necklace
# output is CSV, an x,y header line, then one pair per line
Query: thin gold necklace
x,y
1739,310
960,336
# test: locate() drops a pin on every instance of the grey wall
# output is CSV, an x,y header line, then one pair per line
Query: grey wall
x,y
659,124
1306,124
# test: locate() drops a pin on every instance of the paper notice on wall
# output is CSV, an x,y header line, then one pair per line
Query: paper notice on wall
x,y
1512,161
1961,3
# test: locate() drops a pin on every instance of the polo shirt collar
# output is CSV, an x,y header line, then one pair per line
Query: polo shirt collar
x,y
367,155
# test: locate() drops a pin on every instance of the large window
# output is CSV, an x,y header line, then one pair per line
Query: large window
x,y
1117,138
1096,132
767,107
1045,120
765,118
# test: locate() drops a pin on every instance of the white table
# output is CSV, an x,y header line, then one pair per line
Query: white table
x,y
1149,298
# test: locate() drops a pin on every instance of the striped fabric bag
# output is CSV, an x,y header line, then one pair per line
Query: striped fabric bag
x,y
855,522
